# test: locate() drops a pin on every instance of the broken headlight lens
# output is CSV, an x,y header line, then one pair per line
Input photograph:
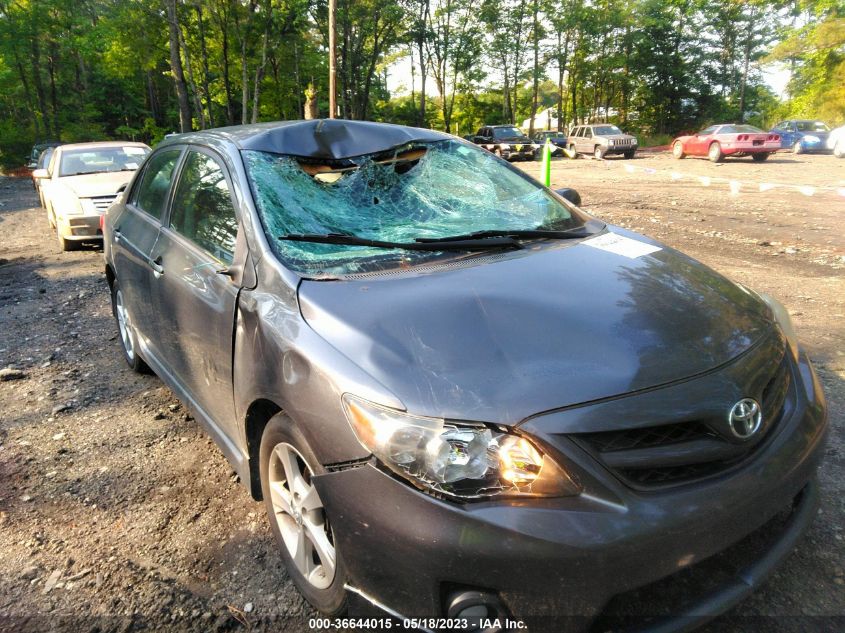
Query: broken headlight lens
x,y
463,460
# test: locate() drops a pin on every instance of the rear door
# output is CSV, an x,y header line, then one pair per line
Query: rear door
x,y
195,293
135,232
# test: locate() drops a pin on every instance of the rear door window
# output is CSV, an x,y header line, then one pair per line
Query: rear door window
x,y
150,195
203,210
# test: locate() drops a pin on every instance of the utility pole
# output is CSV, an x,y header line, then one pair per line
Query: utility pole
x,y
332,60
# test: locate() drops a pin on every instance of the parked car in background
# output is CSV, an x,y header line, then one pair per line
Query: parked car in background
x,y
720,141
802,135
836,142
458,395
506,141
32,162
42,163
557,139
81,181
601,140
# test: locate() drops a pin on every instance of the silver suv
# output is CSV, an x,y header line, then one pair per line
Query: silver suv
x,y
600,141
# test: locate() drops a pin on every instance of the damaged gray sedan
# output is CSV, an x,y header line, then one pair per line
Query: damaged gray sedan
x,y
459,395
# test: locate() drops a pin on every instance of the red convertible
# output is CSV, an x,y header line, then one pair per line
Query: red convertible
x,y
718,141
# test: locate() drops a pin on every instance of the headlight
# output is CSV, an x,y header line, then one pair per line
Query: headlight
x,y
784,321
456,459
504,147
811,139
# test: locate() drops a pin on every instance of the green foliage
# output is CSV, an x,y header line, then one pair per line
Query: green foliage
x,y
102,69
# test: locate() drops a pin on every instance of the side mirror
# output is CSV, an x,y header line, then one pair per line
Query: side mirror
x,y
570,194
40,173
121,188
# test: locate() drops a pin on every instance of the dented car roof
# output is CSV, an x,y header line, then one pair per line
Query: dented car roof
x,y
325,139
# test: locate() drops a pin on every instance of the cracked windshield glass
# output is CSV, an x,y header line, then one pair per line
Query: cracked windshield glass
x,y
432,190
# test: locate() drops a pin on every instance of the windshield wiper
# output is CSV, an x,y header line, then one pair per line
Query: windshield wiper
x,y
449,244
516,234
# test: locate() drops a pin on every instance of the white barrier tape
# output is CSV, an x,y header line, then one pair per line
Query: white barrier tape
x,y
735,186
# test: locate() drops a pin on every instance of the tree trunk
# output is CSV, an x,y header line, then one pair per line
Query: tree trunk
x,y
536,70
259,71
39,86
205,71
176,68
195,94
51,65
746,61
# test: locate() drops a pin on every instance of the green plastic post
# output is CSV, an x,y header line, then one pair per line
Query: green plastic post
x,y
547,163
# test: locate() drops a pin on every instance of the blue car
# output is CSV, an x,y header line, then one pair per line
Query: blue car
x,y
558,140
803,135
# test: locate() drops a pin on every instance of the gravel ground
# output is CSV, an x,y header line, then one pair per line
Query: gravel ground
x,y
117,513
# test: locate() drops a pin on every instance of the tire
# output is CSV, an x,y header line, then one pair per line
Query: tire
x,y
797,148
714,153
599,152
126,332
282,438
760,157
678,150
839,149
573,153
629,155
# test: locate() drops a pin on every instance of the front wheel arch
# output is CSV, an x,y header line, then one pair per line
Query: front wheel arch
x,y
259,413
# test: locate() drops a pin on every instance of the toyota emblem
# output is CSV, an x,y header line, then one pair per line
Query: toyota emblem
x,y
745,418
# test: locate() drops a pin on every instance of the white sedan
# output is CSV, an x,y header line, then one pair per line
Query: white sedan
x,y
836,141
81,181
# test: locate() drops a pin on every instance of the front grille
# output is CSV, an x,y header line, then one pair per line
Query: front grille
x,y
102,203
645,438
623,141
670,454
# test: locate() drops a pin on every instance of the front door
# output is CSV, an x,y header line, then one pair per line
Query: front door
x,y
194,294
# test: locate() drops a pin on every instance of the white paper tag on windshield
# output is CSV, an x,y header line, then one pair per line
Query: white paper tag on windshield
x,y
134,151
131,165
621,245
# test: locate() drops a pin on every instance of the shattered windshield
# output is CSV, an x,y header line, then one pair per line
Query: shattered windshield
x,y
432,190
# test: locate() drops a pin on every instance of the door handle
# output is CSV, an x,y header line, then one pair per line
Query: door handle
x,y
117,235
158,269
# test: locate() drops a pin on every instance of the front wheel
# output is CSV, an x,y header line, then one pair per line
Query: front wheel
x,y
760,157
678,150
629,155
128,337
599,152
797,148
839,149
715,153
572,152
298,519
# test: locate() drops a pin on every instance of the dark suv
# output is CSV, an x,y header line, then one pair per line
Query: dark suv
x,y
506,141
458,394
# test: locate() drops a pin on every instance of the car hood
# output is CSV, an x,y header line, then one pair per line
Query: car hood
x,y
526,333
102,184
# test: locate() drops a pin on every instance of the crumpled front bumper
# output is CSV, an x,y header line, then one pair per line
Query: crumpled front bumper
x,y
556,563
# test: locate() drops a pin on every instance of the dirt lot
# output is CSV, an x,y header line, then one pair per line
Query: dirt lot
x,y
117,513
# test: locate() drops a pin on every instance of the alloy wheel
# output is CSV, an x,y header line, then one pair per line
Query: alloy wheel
x,y
124,325
300,516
